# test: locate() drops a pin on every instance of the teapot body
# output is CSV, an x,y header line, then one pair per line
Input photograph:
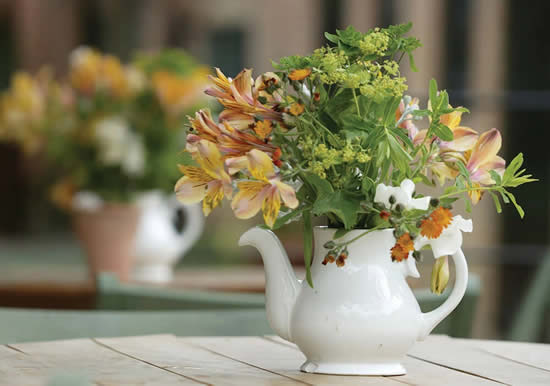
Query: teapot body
x,y
362,317
160,242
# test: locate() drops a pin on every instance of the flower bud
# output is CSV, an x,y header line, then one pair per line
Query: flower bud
x,y
398,208
329,244
440,275
434,202
391,199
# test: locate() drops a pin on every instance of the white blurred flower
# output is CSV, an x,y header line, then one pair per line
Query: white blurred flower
x,y
134,160
112,136
402,195
87,201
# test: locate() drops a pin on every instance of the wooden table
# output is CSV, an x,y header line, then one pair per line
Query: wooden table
x,y
169,360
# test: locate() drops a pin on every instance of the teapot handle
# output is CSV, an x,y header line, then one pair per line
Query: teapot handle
x,y
431,319
194,224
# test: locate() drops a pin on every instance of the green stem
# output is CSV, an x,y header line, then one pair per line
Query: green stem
x,y
469,190
356,103
379,226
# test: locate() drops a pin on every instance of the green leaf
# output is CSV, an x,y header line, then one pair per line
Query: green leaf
x,y
433,91
518,208
308,246
367,185
412,63
443,132
283,220
340,233
342,204
496,201
512,168
332,38
496,177
322,187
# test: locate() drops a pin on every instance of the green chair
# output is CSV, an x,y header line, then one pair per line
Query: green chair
x,y
529,323
25,325
459,323
114,295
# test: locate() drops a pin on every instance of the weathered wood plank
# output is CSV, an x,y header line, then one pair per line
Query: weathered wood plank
x,y
180,357
17,368
422,373
463,356
89,360
278,358
530,354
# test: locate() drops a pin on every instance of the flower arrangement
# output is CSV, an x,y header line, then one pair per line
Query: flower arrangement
x,y
332,134
107,127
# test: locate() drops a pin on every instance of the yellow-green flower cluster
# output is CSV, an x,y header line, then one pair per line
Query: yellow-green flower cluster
x,y
375,43
323,157
383,85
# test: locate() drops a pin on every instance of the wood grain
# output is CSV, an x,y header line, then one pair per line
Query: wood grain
x,y
183,358
465,356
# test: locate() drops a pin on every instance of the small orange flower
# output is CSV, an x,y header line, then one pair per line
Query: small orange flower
x,y
299,74
430,228
296,109
404,245
263,128
442,216
439,219
398,253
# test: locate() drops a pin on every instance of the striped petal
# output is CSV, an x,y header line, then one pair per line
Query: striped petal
x,y
260,165
464,139
287,194
249,200
451,120
271,206
189,191
236,164
210,159
213,197
485,150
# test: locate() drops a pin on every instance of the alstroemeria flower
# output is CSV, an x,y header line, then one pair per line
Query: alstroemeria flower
x,y
241,103
450,240
402,195
265,193
209,182
230,141
482,159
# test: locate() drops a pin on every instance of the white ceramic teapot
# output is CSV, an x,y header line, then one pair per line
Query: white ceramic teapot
x,y
358,319
159,244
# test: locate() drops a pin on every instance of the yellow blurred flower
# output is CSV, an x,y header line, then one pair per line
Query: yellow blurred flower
x,y
90,72
176,93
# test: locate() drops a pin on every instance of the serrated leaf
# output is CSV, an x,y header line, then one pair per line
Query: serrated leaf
x,y
343,205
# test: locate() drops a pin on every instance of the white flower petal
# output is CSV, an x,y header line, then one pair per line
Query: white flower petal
x,y
402,194
450,240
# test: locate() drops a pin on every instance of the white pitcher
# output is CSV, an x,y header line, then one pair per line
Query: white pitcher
x,y
358,319
159,244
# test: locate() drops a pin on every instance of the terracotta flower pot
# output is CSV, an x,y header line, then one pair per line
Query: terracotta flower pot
x,y
107,235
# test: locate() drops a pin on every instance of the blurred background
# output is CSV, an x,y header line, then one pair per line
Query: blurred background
x,y
492,56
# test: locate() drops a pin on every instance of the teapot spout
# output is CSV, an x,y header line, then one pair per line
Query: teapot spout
x,y
281,286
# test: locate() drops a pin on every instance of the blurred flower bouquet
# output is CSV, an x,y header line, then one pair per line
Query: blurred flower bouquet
x,y
108,132
332,134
